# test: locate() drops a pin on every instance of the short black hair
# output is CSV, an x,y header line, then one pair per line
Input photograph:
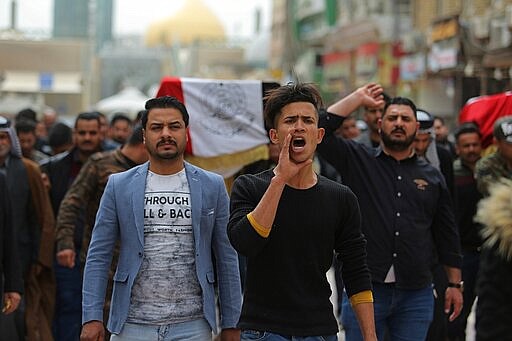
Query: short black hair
x,y
88,116
25,126
120,117
59,135
136,137
139,116
386,97
277,98
400,101
467,128
26,114
164,102
440,119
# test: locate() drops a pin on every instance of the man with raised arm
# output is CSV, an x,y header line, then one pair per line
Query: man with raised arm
x,y
407,216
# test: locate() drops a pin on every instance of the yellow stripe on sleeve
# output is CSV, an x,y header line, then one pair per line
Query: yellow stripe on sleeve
x,y
361,297
261,230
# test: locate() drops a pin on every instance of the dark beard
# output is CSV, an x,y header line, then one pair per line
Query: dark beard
x,y
396,145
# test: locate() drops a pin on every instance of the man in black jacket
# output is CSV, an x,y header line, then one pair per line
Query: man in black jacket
x,y
468,147
426,148
11,287
62,170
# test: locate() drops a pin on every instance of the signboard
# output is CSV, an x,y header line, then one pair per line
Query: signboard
x,y
444,29
443,55
366,64
306,8
412,67
336,68
45,81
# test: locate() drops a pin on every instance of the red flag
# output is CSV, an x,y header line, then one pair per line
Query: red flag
x,y
484,111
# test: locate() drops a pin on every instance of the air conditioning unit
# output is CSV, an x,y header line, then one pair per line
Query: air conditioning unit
x,y
480,27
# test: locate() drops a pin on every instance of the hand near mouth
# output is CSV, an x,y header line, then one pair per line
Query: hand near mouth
x,y
286,169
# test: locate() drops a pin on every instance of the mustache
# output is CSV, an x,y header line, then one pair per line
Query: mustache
x,y
398,130
166,141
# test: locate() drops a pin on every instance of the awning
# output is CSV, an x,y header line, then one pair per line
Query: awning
x,y
45,82
501,59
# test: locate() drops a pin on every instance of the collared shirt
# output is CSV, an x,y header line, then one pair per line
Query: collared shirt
x,y
3,166
407,214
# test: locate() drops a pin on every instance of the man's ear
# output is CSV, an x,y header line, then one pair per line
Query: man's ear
x,y
320,135
272,133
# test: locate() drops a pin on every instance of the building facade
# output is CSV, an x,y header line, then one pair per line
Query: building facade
x,y
440,53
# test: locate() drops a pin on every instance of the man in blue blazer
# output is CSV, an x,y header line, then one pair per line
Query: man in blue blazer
x,y
170,218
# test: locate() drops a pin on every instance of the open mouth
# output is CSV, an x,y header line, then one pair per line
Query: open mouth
x,y
298,144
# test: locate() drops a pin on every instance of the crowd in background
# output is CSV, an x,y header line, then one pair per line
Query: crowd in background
x,y
40,161
52,178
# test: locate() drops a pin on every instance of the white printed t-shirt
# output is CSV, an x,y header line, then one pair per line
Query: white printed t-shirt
x,y
166,289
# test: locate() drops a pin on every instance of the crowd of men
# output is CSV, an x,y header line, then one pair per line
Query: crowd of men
x,y
40,161
113,213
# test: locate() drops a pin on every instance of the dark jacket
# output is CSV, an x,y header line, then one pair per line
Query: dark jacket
x,y
446,168
34,223
9,259
494,289
40,280
58,169
86,192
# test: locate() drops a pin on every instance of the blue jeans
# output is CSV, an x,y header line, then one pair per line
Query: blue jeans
x,y
251,335
195,330
68,302
405,314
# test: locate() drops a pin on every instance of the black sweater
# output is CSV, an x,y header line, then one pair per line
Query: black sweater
x,y
286,287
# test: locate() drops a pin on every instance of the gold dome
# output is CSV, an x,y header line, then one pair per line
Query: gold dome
x,y
193,22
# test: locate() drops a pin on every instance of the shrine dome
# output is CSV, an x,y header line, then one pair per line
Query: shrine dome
x,y
193,22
